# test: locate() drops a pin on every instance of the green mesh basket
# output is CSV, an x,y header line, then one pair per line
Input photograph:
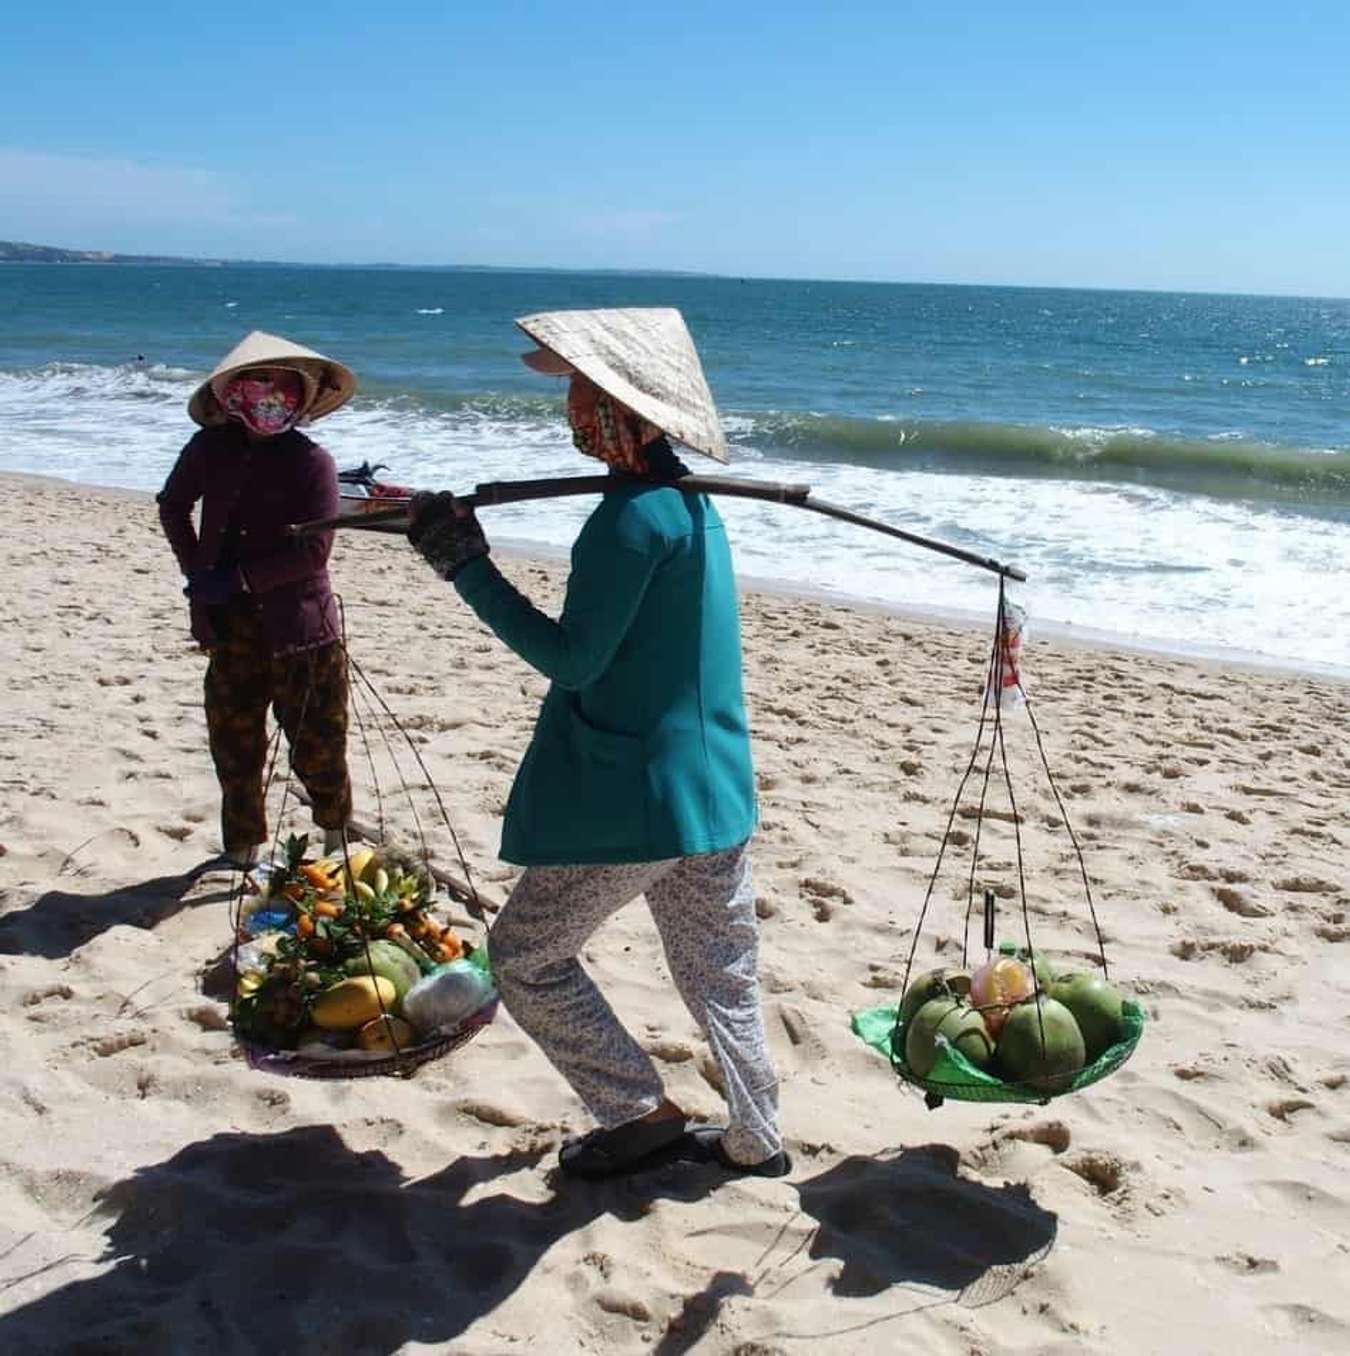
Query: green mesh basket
x,y
954,1076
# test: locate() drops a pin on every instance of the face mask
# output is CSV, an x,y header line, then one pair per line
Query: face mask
x,y
264,404
607,430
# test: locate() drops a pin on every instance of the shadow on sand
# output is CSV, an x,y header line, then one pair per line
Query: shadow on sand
x,y
294,1242
905,1227
60,922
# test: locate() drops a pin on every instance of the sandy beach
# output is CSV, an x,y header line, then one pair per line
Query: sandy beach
x,y
158,1196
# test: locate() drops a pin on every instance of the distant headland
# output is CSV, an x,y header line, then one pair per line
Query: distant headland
x,y
20,252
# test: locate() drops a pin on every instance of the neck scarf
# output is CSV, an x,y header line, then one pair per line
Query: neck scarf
x,y
605,429
265,403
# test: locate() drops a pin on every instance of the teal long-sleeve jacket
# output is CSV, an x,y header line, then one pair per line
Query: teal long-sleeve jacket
x,y
642,749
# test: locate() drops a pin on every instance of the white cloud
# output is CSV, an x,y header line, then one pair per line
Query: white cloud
x,y
46,197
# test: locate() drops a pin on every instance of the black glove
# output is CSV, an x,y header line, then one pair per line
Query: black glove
x,y
214,586
447,536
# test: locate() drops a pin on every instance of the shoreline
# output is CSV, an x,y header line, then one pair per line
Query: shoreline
x,y
1066,635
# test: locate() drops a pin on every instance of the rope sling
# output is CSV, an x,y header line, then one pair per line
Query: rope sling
x,y
952,1074
352,920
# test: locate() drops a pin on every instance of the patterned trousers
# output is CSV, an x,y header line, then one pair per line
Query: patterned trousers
x,y
307,692
704,908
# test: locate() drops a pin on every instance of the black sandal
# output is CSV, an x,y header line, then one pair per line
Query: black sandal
x,y
625,1148
705,1146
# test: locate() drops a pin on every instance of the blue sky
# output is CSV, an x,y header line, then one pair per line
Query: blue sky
x,y
1191,144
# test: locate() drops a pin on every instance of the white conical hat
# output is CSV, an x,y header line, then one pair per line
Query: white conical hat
x,y
642,356
328,384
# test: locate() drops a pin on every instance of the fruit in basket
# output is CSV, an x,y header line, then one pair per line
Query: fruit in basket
x,y
353,1002
1041,966
314,1040
387,1035
934,984
1095,1006
446,996
357,862
1040,1044
954,1021
250,981
388,960
321,878
997,985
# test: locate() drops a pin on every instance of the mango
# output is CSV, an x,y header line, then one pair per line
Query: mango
x,y
387,1035
351,1003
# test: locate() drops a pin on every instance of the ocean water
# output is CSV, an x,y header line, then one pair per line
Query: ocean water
x,y
1173,470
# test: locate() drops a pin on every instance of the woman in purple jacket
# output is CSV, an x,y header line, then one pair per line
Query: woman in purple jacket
x,y
260,600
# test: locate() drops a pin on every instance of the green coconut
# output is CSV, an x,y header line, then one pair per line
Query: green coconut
x,y
1041,966
943,982
1096,1007
1048,1063
956,1022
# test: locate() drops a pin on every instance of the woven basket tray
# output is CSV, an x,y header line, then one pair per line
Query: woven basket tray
x,y
362,1064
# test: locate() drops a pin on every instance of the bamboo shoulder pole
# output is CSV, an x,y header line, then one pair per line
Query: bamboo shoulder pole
x,y
395,519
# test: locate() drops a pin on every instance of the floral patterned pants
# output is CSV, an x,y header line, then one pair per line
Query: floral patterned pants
x,y
307,691
704,908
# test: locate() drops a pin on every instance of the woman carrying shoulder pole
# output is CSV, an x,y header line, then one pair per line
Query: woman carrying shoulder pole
x,y
638,779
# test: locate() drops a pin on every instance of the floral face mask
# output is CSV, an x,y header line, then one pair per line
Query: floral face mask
x,y
605,429
266,403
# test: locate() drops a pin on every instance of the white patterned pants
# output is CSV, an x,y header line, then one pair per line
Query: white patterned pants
x,y
704,909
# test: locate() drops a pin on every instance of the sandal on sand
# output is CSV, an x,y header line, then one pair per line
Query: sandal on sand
x,y
625,1148
704,1143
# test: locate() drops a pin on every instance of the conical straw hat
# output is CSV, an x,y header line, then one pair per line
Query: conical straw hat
x,y
328,384
642,356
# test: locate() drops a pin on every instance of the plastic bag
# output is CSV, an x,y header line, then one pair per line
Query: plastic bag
x,y
1004,687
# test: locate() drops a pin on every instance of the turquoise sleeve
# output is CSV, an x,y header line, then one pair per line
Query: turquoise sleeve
x,y
603,592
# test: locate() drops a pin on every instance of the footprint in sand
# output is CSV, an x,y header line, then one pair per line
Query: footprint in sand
x,y
1244,1264
1301,1200
1305,1322
802,1034
1236,901
1309,885
1288,1107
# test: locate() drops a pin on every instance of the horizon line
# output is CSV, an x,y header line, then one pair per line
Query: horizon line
x,y
117,258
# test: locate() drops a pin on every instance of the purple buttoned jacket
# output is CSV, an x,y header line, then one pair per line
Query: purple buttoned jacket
x,y
250,492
